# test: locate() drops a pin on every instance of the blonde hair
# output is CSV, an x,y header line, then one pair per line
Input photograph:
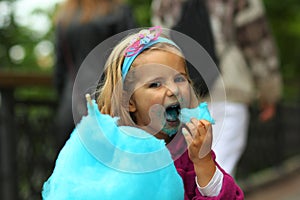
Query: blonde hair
x,y
113,92
87,10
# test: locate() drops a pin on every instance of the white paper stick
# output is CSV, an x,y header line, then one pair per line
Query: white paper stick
x,y
89,99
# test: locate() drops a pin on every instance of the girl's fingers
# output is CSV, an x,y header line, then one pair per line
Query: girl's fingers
x,y
187,136
195,121
192,129
204,126
200,135
197,127
205,123
207,143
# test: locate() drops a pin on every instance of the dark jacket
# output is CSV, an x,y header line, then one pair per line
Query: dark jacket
x,y
75,41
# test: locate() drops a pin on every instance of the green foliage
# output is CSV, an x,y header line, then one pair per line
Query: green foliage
x,y
284,18
13,34
142,11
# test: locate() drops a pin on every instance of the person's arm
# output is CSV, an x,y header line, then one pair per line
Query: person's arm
x,y
255,39
205,170
215,190
214,186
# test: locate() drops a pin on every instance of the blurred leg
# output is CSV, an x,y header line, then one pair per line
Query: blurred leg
x,y
231,141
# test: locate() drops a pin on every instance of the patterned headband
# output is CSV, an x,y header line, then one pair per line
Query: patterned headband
x,y
143,40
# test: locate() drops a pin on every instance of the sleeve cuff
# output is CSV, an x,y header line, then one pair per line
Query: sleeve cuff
x,y
214,186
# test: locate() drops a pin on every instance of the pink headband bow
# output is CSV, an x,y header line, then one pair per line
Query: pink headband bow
x,y
142,38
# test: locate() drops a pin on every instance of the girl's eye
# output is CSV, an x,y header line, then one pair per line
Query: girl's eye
x,y
180,78
155,85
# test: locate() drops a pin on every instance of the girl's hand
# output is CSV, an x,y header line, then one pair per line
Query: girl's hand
x,y
199,139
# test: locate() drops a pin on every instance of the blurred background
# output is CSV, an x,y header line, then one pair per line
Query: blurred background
x,y
28,99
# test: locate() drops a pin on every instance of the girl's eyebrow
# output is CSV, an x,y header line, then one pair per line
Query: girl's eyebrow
x,y
154,79
159,78
182,73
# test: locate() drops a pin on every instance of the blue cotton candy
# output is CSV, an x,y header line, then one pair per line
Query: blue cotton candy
x,y
104,161
200,112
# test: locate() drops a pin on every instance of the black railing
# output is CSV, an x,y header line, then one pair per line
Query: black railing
x,y
270,143
272,153
27,148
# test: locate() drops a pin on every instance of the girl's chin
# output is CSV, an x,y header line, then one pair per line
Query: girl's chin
x,y
171,128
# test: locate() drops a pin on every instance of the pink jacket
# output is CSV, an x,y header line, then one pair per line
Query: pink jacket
x,y
230,190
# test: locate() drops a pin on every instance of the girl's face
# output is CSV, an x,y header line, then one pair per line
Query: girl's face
x,y
161,90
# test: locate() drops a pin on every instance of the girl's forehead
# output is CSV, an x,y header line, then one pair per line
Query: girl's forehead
x,y
155,59
157,70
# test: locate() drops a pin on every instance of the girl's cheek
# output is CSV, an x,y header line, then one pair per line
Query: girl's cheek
x,y
157,117
185,98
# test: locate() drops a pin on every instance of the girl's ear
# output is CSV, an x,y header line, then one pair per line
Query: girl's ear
x,y
132,107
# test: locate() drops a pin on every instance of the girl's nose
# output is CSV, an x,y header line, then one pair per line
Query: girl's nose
x,y
172,89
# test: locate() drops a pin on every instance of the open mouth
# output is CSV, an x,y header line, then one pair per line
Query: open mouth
x,y
172,112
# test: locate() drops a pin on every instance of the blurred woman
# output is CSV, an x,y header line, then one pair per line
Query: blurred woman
x,y
80,26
